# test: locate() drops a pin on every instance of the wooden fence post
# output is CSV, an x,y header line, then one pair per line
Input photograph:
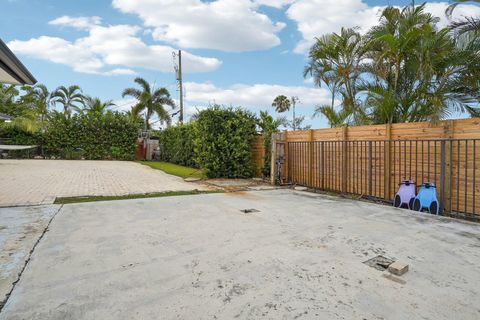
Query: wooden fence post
x,y
448,165
344,159
386,169
310,158
273,158
286,163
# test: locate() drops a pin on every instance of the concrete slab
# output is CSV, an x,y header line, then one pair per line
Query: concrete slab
x,y
33,182
200,257
20,228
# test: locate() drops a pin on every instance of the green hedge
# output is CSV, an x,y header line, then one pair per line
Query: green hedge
x,y
222,142
15,135
218,141
177,145
91,136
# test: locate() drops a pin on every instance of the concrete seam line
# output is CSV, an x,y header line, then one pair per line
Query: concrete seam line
x,y
3,302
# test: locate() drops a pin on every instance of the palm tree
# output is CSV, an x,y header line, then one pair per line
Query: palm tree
x,y
70,98
8,100
94,105
41,100
281,104
403,70
150,101
335,118
419,73
337,60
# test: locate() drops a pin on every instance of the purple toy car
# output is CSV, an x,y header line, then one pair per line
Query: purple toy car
x,y
405,194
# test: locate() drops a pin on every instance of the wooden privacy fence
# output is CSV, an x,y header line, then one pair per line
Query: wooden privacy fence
x,y
372,160
258,154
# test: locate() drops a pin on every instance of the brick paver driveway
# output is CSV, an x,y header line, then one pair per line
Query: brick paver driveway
x,y
29,182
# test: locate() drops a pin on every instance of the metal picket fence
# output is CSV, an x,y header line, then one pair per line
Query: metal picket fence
x,y
374,168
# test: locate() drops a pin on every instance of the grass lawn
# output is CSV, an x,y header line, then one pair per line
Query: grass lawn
x,y
67,200
175,169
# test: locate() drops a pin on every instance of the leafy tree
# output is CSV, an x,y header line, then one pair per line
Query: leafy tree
x,y
70,98
151,101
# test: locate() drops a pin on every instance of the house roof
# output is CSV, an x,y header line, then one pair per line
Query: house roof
x,y
11,69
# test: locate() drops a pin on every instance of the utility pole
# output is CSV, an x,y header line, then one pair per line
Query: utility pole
x,y
180,80
178,71
294,101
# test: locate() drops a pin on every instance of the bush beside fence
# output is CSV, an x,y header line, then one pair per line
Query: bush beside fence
x,y
219,141
177,145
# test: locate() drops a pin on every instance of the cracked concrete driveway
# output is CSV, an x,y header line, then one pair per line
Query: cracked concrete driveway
x,y
33,182
20,229
199,257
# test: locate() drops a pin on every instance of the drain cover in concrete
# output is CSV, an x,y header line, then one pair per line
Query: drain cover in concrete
x,y
249,210
379,262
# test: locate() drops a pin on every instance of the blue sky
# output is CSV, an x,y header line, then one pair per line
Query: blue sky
x,y
237,52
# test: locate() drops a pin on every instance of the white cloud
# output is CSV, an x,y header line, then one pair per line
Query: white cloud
x,y
82,23
308,80
227,25
317,17
257,96
108,50
461,11
273,3
60,51
120,71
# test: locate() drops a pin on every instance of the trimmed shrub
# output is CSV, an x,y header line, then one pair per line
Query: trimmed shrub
x,y
15,135
223,138
91,136
177,145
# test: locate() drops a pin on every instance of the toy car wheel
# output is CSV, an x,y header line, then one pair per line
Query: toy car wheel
x,y
434,207
410,203
397,201
416,205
